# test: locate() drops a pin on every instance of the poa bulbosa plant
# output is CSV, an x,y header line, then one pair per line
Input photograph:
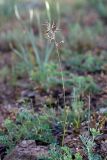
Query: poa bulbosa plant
x,y
51,35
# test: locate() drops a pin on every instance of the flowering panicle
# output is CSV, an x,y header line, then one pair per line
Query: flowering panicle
x,y
51,30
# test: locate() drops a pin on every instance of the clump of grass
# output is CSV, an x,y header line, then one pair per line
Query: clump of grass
x,y
36,58
36,62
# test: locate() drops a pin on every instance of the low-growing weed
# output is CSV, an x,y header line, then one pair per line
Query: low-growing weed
x,y
26,126
89,144
84,85
94,132
48,76
85,63
83,38
63,153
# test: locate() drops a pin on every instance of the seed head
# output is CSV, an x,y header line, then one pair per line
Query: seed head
x,y
50,33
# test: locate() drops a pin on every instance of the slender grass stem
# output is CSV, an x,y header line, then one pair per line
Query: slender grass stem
x,y
89,114
65,108
51,35
62,76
